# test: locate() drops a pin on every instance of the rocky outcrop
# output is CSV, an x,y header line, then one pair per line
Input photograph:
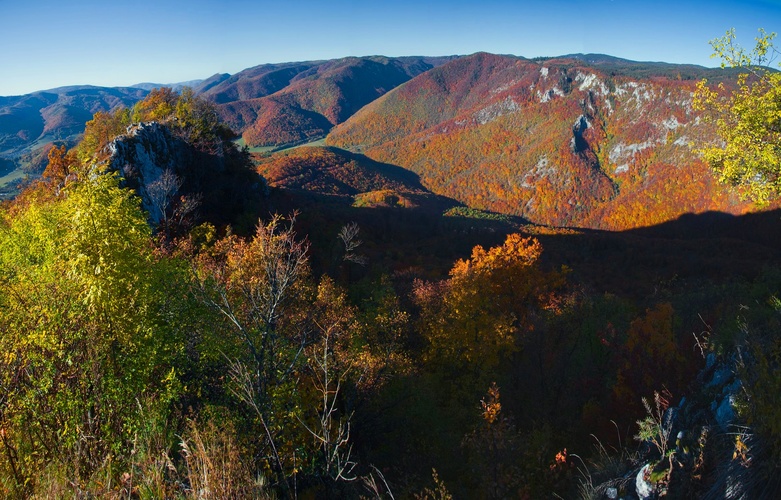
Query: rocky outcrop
x,y
700,449
182,180
151,160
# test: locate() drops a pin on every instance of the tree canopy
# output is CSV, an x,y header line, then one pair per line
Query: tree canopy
x,y
747,118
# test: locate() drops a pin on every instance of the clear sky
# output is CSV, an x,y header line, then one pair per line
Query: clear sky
x,y
51,43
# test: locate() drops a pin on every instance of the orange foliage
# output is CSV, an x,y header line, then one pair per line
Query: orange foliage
x,y
99,131
546,141
651,349
61,162
488,302
279,123
330,171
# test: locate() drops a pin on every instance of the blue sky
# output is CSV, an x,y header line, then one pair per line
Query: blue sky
x,y
46,44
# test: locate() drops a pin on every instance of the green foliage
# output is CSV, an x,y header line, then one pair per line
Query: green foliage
x,y
759,370
657,425
746,119
734,56
191,117
86,335
472,213
160,104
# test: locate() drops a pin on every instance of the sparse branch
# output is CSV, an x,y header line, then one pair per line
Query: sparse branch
x,y
244,390
734,56
349,236
161,193
332,432
254,284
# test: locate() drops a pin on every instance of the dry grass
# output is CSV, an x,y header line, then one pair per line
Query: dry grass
x,y
213,465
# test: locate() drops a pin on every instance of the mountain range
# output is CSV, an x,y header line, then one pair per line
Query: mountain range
x,y
295,102
607,264
30,121
580,140
557,141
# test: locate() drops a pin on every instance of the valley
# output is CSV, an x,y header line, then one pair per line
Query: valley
x,y
583,141
500,276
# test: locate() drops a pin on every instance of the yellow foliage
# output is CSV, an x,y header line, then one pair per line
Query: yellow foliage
x,y
746,120
488,302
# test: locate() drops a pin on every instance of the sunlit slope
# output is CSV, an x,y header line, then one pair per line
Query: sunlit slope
x,y
295,102
557,141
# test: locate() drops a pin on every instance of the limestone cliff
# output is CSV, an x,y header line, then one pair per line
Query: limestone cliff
x,y
174,176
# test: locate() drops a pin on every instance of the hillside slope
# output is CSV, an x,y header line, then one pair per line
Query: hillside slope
x,y
32,120
354,178
556,141
276,104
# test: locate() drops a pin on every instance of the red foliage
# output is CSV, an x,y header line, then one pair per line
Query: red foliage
x,y
554,142
284,104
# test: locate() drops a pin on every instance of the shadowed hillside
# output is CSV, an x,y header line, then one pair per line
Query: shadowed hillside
x,y
637,263
356,179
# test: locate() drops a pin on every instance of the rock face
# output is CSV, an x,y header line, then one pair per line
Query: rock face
x,y
726,387
644,489
150,159
181,181
618,140
712,448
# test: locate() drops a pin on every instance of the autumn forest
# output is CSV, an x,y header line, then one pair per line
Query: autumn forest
x,y
460,277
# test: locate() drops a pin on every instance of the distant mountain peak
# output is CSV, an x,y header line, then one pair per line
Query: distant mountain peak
x,y
175,86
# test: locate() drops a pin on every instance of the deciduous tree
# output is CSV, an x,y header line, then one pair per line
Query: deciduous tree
x,y
748,119
488,302
85,331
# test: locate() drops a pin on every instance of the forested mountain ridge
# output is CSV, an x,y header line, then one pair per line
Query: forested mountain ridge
x,y
585,140
648,69
279,104
361,181
348,333
55,115
556,141
308,99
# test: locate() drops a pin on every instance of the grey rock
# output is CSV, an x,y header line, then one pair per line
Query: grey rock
x,y
720,377
644,489
142,156
725,413
710,360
